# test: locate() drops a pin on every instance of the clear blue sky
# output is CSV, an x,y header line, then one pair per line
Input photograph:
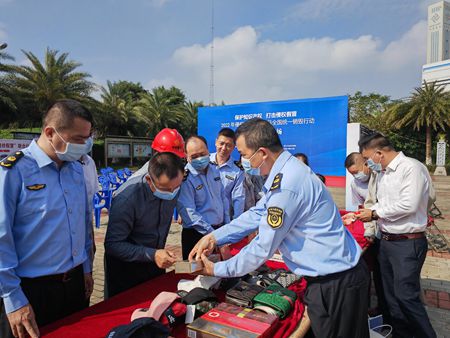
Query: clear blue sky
x,y
271,49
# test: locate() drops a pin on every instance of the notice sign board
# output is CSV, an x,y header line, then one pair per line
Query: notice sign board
x,y
11,146
440,153
118,150
316,127
142,150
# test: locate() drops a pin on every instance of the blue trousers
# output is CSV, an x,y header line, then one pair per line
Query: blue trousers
x,y
400,265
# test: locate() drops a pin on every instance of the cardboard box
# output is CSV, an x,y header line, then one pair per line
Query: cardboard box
x,y
194,267
227,320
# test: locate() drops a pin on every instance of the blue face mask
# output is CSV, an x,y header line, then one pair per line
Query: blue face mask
x,y
361,176
374,166
200,163
73,151
248,167
164,195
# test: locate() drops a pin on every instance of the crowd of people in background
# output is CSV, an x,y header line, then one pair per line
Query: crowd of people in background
x,y
47,235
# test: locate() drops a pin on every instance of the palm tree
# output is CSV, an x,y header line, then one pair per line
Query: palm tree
x,y
189,117
5,85
41,84
157,112
428,106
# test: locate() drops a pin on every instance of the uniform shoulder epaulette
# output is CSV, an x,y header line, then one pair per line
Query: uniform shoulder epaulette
x,y
11,160
276,182
185,175
239,165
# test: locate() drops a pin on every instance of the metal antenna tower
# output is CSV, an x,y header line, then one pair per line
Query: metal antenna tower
x,y
211,67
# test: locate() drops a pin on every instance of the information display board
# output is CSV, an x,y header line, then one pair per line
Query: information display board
x,y
316,127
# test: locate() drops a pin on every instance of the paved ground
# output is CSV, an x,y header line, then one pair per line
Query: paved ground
x,y
435,273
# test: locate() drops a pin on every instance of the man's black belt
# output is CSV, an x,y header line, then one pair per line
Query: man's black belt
x,y
401,237
59,277
330,276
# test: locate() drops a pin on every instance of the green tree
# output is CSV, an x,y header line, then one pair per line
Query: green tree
x,y
428,107
157,111
7,101
189,117
365,108
116,115
41,84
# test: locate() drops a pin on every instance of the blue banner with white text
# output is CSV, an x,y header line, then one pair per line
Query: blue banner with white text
x,y
315,127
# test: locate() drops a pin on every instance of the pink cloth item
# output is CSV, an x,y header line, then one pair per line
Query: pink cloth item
x,y
160,304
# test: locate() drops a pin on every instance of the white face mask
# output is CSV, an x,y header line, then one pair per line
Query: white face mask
x,y
73,151
361,176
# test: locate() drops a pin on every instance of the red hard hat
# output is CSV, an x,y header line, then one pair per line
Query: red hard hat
x,y
169,140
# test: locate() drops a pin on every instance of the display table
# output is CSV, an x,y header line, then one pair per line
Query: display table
x,y
96,321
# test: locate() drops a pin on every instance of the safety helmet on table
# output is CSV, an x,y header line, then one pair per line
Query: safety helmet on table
x,y
169,140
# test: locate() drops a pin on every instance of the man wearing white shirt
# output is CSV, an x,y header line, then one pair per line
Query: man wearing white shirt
x,y
403,190
355,165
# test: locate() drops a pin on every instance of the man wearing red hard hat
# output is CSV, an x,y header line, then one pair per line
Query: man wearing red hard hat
x,y
167,140
141,215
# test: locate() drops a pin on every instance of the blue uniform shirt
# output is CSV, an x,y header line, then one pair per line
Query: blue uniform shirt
x,y
297,216
45,224
232,178
202,201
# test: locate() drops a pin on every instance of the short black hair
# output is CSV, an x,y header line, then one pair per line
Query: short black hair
x,y
198,137
305,158
259,133
63,112
165,163
351,159
227,132
375,141
322,178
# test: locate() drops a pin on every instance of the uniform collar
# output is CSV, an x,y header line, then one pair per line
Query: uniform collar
x,y
213,159
41,158
396,161
276,168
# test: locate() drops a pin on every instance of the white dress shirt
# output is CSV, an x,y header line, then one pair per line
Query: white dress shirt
x,y
359,191
90,178
402,194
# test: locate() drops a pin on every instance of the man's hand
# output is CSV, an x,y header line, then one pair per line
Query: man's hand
x,y
370,239
349,218
164,258
208,266
22,321
88,284
364,215
205,245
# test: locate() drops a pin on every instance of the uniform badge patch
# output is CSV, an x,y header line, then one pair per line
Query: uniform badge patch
x,y
239,165
275,217
199,186
11,160
36,187
230,177
276,182
216,178
185,175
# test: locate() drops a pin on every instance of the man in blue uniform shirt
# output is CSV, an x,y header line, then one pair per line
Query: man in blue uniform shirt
x,y
139,223
45,224
297,216
202,203
231,172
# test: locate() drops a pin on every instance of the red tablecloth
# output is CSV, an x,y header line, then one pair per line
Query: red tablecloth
x,y
96,321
